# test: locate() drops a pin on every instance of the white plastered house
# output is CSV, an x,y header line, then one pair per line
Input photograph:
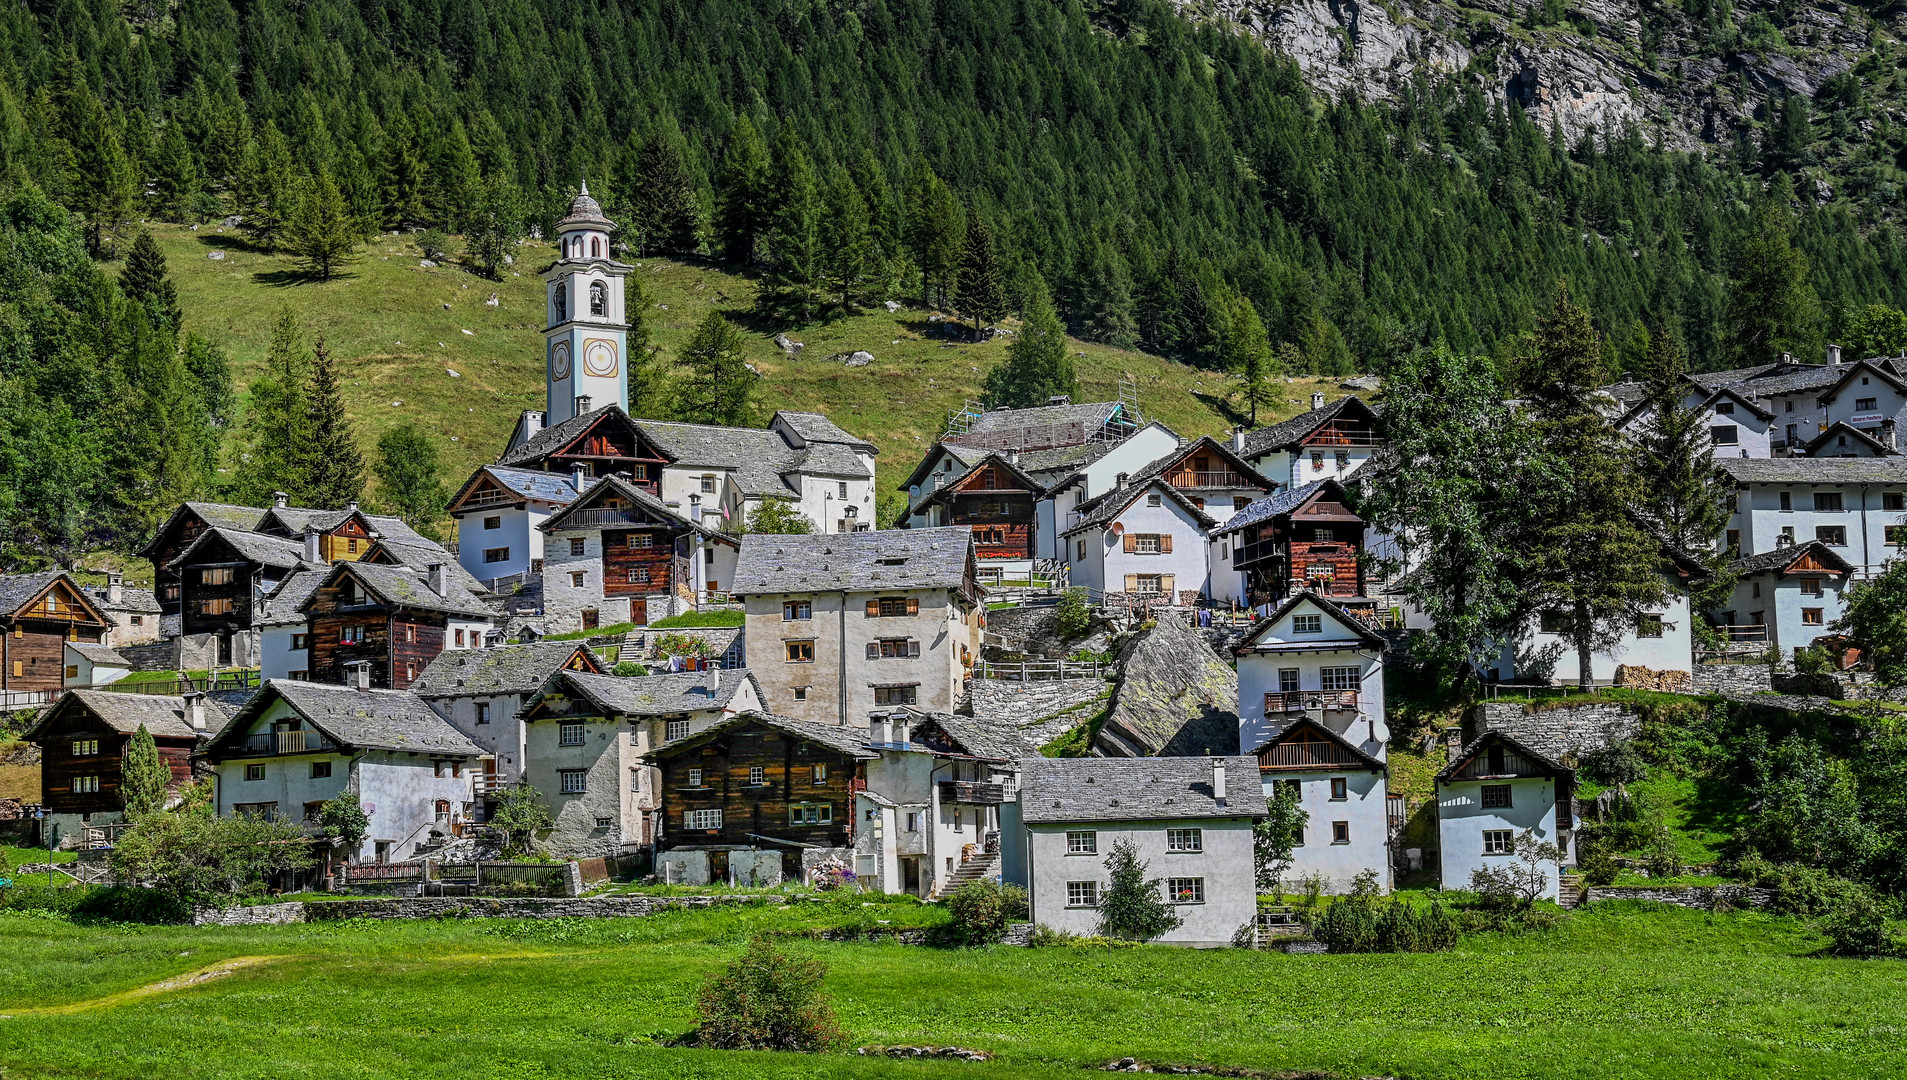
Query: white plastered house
x,y
1311,658
1492,791
1141,540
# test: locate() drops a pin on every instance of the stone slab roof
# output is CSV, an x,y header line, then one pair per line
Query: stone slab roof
x,y
815,427
98,654
400,586
277,552
131,598
419,556
16,590
284,605
163,716
1067,790
1888,470
1176,698
1276,504
1091,414
359,719
653,695
860,562
1286,432
849,741
974,737
550,439
1781,557
509,669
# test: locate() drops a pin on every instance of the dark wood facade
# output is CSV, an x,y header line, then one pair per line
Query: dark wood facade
x,y
998,503
399,643
644,562
217,588
1316,545
611,444
33,636
172,540
725,758
1308,746
78,749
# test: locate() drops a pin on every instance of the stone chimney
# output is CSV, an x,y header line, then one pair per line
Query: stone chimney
x,y
1218,781
1787,358
579,477
533,421
582,404
901,724
877,729
351,507
1122,480
1060,399
1317,400
115,587
357,674
1888,434
312,553
1834,354
195,709
280,500
438,584
695,507
1238,441
715,679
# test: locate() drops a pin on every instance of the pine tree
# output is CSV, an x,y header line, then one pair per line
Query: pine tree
x,y
847,241
1132,908
1248,356
166,442
1036,365
267,189
493,227
147,779
1107,285
934,229
1687,498
144,282
334,467
177,173
743,190
719,386
668,212
278,419
455,185
404,177
794,234
1771,301
102,180
409,477
1589,559
978,293
648,379
322,232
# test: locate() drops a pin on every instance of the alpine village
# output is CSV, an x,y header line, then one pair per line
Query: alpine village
x,y
985,538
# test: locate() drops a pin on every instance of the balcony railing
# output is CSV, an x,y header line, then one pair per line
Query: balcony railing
x,y
1749,632
592,519
972,792
1196,481
283,742
1245,554
1310,701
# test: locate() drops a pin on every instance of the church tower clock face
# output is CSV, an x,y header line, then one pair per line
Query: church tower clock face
x,y
559,360
599,358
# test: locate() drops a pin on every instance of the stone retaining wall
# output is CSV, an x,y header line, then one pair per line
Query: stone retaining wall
x,y
587,907
1731,679
1700,897
1021,703
1576,730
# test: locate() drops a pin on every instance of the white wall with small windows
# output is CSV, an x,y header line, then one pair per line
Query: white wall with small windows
x,y
1789,611
587,770
1478,821
1306,659
1346,831
1865,523
1661,638
1155,545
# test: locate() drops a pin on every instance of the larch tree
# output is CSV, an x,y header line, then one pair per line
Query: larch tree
x,y
103,179
277,425
1247,354
847,240
410,479
1590,561
493,226
979,293
743,192
1772,307
176,171
718,387
334,467
455,184
1036,365
321,232
1687,497
648,378
667,210
267,188
145,282
1875,330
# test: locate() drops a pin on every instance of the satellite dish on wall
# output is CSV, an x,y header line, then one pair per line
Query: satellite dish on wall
x,y
1118,528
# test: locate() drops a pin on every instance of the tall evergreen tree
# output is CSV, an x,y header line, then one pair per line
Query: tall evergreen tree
x,y
648,379
1590,561
146,779
403,174
718,388
1686,496
1247,354
1132,908
884,223
978,291
493,227
321,231
668,211
103,180
1036,365
176,171
454,184
410,480
1772,307
934,229
333,465
794,234
744,192
144,281
165,439
1875,330
847,240
267,188
277,419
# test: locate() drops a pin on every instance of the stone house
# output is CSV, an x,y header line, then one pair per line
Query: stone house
x,y
1142,540
1843,439
1190,819
1312,659
585,738
756,799
481,691
282,629
618,555
1870,397
294,746
1785,598
39,614
221,577
1493,790
995,499
930,811
839,626
82,741
1343,790
134,611
1737,426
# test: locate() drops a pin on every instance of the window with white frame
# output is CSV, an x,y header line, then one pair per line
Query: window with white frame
x,y
676,729
1084,842
1185,890
574,781
1499,842
1185,840
1339,678
569,735
702,820
695,778
1082,894
1288,680
1307,624
1496,796
85,785
85,747
757,776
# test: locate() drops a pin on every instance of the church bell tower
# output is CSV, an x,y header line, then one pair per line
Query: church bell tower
x,y
587,340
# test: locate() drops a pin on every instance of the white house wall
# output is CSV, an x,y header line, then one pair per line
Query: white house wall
x,y
516,529
1297,469
1760,520
1041,863
1781,603
276,657
1462,820
1673,651
1280,647
1363,809
1107,563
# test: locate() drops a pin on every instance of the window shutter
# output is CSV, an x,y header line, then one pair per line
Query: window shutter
x,y
1165,586
873,650
1165,543
1132,543
913,605
873,609
913,648
1132,583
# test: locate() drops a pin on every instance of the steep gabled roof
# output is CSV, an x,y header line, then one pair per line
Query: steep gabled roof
x,y
648,695
164,716
1088,416
277,552
1729,393
224,515
1305,726
1287,433
965,735
1106,508
19,590
992,460
98,654
402,587
1476,746
294,520
849,741
965,455
1781,560
616,487
551,439
1063,790
1871,368
1203,445
1279,504
284,605
507,669
419,557
1843,429
861,562
1812,470
552,487
1359,630
815,427
356,719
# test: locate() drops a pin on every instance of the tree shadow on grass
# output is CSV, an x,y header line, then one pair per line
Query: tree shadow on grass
x,y
1232,414
282,279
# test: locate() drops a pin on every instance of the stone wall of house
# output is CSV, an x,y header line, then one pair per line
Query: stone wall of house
x,y
1730,679
188,652
1701,897
1574,730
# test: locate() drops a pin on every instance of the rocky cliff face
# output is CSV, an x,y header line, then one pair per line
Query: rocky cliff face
x,y
1584,64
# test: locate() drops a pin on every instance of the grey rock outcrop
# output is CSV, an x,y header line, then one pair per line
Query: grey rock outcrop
x,y
1176,698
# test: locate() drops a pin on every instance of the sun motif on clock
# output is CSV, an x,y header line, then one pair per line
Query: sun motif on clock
x,y
599,358
559,360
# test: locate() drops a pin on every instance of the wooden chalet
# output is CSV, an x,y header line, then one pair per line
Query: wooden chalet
x,y
756,780
179,531
1306,538
1306,746
1329,440
39,614
647,548
392,617
224,572
83,737
996,499
600,442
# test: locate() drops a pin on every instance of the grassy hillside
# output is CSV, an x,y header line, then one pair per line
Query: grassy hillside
x,y
401,329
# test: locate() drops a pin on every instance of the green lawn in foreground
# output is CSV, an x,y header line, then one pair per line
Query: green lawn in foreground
x,y
1617,992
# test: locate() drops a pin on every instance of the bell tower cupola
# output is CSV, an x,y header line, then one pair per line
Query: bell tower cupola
x,y
586,339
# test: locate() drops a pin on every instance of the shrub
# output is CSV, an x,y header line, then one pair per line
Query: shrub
x,y
766,1000
1361,923
1813,660
434,245
1613,765
1664,859
629,669
518,815
982,909
1597,865
1520,883
1859,928
1074,617
1133,908
189,856
1045,937
344,818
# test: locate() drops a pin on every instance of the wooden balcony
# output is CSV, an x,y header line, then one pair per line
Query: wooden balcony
x,y
602,518
972,792
268,743
1192,480
1301,701
1245,555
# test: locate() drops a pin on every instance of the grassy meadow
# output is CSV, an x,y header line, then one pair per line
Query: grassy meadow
x,y
400,328
1616,992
